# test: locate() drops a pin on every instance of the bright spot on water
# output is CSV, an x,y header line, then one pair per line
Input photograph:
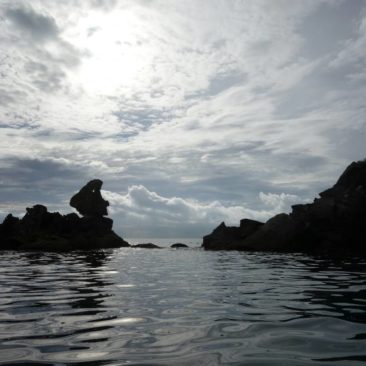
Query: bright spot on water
x,y
119,321
126,286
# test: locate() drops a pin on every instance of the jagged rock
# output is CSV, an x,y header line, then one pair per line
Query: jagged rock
x,y
89,201
146,246
51,231
276,234
353,178
10,224
230,237
99,225
333,223
179,245
221,238
248,227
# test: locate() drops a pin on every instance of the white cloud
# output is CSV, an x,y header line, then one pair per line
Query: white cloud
x,y
153,208
147,57
279,202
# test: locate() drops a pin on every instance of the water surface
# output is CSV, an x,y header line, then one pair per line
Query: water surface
x,y
181,307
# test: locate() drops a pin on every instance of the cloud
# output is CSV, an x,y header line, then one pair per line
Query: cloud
x,y
168,216
353,50
279,202
36,56
29,181
38,26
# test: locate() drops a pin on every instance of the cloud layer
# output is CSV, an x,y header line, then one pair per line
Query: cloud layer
x,y
192,112
187,216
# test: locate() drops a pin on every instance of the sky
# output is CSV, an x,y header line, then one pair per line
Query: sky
x,y
192,112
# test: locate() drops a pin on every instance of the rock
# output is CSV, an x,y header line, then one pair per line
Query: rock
x,y
275,235
248,227
97,225
221,238
51,231
146,246
47,242
354,177
8,229
10,224
107,240
179,245
230,237
89,200
333,223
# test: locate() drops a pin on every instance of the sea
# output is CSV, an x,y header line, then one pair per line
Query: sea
x,y
153,307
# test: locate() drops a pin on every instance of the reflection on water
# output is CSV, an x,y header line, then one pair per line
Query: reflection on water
x,y
190,307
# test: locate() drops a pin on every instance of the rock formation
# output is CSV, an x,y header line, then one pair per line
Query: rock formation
x,y
146,246
89,200
51,231
179,246
230,236
334,223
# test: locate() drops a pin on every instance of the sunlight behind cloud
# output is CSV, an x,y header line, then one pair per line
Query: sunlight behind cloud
x,y
115,49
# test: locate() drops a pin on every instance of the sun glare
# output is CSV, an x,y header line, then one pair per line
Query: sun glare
x,y
115,51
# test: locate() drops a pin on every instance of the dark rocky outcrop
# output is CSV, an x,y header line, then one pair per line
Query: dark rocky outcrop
x,y
179,245
230,237
51,231
89,201
334,223
146,246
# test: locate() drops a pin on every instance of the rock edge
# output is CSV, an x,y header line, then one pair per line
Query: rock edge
x,y
333,223
51,231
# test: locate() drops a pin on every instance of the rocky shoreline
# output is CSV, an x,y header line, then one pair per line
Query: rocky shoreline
x,y
51,231
334,223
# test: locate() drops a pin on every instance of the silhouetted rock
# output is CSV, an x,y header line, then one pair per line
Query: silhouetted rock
x,y
146,246
229,237
274,235
89,201
352,179
43,230
10,224
333,223
179,245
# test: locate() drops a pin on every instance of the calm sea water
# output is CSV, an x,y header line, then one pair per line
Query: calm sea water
x,y
181,307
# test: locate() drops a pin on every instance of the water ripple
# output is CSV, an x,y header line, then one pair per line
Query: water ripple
x,y
168,307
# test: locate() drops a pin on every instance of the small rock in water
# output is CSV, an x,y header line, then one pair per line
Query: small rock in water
x,y
179,245
146,246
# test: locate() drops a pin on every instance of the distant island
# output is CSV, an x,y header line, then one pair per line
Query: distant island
x,y
334,223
